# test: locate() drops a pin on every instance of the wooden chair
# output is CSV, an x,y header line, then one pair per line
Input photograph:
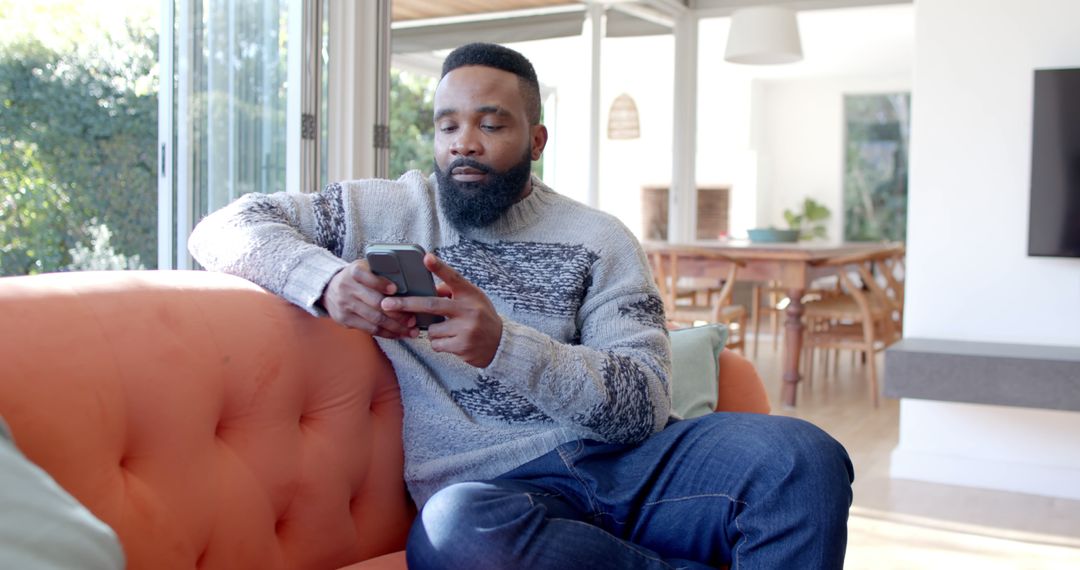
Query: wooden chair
x,y
865,315
893,271
767,298
685,306
772,299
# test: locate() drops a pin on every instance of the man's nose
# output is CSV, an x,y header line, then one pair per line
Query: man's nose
x,y
466,143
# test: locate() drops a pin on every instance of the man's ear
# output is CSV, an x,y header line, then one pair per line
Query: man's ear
x,y
538,141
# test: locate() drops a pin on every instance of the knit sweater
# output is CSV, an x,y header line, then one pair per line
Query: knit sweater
x,y
584,353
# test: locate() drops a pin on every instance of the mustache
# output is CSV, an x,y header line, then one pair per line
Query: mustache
x,y
463,161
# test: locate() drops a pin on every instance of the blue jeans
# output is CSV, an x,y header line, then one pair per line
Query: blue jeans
x,y
744,490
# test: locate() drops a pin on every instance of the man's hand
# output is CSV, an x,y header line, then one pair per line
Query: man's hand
x,y
472,329
353,299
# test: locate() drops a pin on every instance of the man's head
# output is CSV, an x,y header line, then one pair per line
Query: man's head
x,y
487,132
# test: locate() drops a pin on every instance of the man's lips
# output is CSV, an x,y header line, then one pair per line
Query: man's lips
x,y
467,174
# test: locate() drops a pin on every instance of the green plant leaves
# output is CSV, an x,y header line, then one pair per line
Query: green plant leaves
x,y
810,220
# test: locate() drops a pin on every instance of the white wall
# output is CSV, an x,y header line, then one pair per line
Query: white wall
x,y
995,447
775,133
566,158
643,68
725,146
801,142
640,67
968,274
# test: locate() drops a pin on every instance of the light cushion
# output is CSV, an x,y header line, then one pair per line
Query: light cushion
x,y
42,526
694,370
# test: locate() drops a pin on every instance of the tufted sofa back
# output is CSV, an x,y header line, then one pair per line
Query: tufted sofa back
x,y
211,424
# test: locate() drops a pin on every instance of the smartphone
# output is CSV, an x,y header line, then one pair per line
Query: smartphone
x,y
403,264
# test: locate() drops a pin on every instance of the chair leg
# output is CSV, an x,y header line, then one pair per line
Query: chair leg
x,y
872,365
774,317
755,308
743,322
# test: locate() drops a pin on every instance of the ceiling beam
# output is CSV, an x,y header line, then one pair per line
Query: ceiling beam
x,y
626,18
496,27
645,13
724,8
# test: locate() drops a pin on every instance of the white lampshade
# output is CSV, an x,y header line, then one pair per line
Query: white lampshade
x,y
763,35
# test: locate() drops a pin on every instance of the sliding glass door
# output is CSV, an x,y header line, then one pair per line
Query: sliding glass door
x,y
224,120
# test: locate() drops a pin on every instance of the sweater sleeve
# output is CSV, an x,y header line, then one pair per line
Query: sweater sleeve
x,y
288,243
614,384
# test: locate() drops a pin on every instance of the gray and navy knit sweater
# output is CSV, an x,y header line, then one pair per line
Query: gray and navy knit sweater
x,y
584,353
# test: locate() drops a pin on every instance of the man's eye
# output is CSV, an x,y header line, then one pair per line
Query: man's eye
x,y
447,128
491,127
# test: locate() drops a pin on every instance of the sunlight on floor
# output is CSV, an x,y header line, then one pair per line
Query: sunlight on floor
x,y
885,541
897,523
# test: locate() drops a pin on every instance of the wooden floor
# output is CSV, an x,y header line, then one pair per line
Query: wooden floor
x,y
839,402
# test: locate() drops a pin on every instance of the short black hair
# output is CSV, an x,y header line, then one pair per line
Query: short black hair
x,y
506,59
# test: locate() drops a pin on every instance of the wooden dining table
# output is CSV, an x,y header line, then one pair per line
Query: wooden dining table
x,y
792,265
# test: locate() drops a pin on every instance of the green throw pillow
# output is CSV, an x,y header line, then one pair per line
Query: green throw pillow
x,y
694,368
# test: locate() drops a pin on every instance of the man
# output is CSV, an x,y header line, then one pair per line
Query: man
x,y
536,424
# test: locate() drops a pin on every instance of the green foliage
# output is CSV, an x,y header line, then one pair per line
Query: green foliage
x,y
78,140
810,220
100,255
412,109
35,213
876,167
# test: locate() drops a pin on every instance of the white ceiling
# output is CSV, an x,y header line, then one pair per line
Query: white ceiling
x,y
868,41
864,37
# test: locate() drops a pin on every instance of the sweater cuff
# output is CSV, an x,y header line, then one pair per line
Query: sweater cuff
x,y
307,281
520,356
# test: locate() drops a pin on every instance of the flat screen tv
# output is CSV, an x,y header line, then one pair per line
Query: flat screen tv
x,y
1054,219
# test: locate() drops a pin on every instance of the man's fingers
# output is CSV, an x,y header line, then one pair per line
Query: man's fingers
x,y
445,344
371,319
353,299
445,272
365,287
362,274
431,305
443,290
406,319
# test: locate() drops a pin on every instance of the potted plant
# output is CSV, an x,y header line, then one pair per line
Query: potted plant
x,y
807,223
810,222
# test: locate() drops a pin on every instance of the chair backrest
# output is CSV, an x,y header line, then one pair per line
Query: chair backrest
x,y
893,272
876,301
209,423
661,275
665,265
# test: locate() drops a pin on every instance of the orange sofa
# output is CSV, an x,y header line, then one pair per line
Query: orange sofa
x,y
213,425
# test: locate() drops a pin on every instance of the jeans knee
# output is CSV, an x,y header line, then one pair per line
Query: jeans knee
x,y
462,526
792,453
818,464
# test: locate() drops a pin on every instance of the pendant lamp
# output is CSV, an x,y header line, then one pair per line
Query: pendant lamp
x,y
763,35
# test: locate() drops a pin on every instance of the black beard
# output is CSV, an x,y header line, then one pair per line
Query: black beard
x,y
470,205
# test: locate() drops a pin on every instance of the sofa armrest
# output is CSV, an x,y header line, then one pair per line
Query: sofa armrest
x,y
739,387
